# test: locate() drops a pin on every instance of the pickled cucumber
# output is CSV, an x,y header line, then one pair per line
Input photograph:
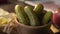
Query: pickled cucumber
x,y
21,15
32,16
47,17
38,8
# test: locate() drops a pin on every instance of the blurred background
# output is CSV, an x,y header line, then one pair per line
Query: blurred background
x,y
8,5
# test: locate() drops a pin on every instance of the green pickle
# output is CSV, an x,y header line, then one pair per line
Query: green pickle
x,y
36,16
21,15
47,17
38,8
32,16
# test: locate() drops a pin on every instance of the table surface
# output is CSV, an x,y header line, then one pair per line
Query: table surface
x,y
10,7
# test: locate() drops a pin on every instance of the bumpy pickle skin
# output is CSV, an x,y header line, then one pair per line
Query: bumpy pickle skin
x,y
21,15
38,8
47,17
32,16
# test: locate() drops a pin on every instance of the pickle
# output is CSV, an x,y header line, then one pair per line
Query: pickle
x,y
21,15
32,16
38,8
47,17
